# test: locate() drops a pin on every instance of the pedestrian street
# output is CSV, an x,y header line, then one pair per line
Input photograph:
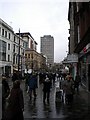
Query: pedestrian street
x,y
35,108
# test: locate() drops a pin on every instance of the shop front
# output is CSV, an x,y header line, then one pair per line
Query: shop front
x,y
84,68
72,62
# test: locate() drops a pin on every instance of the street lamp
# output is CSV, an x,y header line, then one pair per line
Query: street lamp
x,y
19,52
32,62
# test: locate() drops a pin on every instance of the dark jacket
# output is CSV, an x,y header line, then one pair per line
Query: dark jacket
x,y
15,77
5,92
5,88
16,105
46,85
32,82
77,80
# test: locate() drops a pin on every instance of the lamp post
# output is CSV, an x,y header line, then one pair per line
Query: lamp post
x,y
32,62
19,52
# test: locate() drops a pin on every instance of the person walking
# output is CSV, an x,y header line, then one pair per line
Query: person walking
x,y
46,89
32,83
26,81
15,100
68,89
77,82
5,93
15,76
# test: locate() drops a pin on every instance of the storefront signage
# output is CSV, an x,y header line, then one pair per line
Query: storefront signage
x,y
73,58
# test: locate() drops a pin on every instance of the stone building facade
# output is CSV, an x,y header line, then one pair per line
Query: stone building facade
x,y
34,61
81,20
6,44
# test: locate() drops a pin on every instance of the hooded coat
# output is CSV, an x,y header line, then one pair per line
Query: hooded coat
x,y
15,103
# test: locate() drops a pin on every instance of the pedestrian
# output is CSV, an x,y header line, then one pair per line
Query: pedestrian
x,y
68,89
53,77
46,89
64,75
15,76
26,81
77,82
5,93
15,100
32,83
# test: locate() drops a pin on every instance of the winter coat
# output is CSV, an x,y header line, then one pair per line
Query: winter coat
x,y
32,82
77,81
15,77
5,88
5,92
15,107
68,86
46,85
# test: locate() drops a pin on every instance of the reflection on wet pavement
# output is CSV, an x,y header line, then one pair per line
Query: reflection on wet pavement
x,y
35,108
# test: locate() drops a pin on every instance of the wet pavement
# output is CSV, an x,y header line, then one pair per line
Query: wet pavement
x,y
80,109
35,109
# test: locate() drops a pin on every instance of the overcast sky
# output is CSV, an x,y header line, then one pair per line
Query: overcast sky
x,y
39,17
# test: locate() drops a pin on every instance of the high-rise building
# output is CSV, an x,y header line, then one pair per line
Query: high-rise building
x,y
47,48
